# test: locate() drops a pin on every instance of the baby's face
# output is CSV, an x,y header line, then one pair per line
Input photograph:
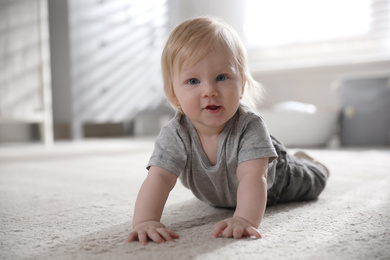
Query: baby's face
x,y
209,91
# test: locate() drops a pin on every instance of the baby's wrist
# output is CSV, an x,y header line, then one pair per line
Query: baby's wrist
x,y
247,220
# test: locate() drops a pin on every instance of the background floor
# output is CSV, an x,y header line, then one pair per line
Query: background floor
x,y
75,201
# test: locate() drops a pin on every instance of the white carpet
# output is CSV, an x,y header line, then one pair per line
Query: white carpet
x,y
76,200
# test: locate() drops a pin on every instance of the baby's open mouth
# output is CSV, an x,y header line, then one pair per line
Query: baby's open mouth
x,y
212,107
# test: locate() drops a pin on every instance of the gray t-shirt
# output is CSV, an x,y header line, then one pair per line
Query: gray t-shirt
x,y
179,150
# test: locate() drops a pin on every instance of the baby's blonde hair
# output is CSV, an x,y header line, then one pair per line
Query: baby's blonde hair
x,y
192,40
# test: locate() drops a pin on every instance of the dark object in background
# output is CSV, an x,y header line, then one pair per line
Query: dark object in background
x,y
365,117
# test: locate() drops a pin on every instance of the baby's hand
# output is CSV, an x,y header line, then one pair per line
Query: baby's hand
x,y
235,227
152,230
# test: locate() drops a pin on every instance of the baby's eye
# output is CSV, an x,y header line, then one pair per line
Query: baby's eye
x,y
221,77
193,81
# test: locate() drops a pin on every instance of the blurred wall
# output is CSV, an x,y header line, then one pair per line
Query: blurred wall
x,y
309,84
87,88
231,11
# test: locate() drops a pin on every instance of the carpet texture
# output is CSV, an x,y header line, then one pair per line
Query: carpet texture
x,y
75,201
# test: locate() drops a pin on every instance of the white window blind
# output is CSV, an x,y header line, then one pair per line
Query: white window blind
x,y
303,33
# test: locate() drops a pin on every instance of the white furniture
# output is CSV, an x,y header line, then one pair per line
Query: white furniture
x,y
297,124
105,60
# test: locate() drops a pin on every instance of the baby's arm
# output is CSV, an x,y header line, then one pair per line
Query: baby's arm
x,y
149,207
251,201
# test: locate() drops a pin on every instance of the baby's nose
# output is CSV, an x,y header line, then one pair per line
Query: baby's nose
x,y
209,90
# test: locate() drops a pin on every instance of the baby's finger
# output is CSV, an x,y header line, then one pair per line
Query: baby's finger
x,y
166,234
132,237
253,232
173,234
238,232
219,227
228,232
155,236
142,238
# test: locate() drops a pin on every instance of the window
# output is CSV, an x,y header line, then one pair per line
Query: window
x,y
316,32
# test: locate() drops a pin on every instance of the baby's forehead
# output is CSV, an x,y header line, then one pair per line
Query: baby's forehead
x,y
188,59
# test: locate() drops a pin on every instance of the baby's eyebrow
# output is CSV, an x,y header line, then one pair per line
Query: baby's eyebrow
x,y
186,71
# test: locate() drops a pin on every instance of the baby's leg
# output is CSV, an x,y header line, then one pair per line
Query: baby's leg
x,y
304,156
302,178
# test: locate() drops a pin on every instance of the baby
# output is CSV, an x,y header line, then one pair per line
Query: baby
x,y
215,144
